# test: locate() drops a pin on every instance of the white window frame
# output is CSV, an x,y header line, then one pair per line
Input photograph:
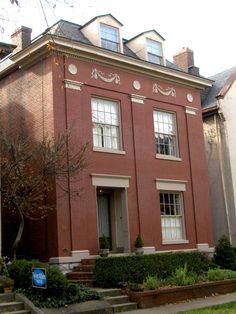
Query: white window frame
x,y
107,42
102,130
171,216
154,54
177,187
166,151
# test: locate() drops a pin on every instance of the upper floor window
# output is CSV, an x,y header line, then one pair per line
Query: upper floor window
x,y
106,129
109,37
165,133
154,51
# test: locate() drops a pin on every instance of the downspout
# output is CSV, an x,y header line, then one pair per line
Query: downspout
x,y
0,217
136,168
67,147
191,178
219,146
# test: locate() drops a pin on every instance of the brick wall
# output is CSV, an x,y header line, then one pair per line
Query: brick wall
x,y
26,108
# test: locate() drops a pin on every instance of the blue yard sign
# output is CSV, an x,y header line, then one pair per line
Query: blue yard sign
x,y
39,278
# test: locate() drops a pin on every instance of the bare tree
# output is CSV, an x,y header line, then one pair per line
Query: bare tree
x,y
30,171
14,1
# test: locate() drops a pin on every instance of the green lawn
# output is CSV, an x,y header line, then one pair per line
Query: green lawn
x,y
228,308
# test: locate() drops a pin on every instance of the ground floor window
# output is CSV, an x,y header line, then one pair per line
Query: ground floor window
x,y
171,204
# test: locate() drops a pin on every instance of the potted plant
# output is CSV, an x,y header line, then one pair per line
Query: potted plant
x,y
104,246
7,283
138,244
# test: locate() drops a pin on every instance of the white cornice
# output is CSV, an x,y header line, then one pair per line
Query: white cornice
x,y
97,54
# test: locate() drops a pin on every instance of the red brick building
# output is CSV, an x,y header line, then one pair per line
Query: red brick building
x,y
142,117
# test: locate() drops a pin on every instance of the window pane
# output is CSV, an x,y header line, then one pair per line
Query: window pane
x,y
171,216
109,37
154,51
165,133
105,117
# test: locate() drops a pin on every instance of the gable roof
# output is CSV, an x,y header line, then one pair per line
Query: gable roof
x,y
143,33
223,82
98,16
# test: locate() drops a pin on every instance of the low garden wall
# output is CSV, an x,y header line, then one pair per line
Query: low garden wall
x,y
152,298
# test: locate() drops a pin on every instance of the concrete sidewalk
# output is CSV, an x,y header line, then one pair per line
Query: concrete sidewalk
x,y
188,305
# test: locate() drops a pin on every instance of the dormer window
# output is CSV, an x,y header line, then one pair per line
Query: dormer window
x,y
154,51
109,37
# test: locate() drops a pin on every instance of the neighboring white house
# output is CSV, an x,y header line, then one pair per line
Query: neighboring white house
x,y
219,119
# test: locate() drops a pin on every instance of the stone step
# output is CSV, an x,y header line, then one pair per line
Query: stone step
x,y
79,275
19,312
119,299
11,306
109,292
88,261
6,297
87,268
124,307
85,282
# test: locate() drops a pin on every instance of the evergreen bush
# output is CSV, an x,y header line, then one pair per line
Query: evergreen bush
x,y
138,242
224,255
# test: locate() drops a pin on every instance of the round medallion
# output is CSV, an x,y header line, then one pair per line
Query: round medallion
x,y
72,69
136,85
190,97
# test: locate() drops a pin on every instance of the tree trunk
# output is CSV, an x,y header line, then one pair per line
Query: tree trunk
x,y
19,233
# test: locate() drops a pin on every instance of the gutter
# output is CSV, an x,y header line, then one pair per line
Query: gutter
x,y
49,43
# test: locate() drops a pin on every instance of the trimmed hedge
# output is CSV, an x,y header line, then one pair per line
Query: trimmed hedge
x,y
112,271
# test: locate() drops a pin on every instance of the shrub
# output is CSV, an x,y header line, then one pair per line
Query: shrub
x,y
104,243
74,294
220,274
182,277
224,255
6,281
59,291
151,283
138,242
111,271
56,282
21,272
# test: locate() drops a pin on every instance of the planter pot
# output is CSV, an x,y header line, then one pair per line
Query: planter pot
x,y
7,289
104,252
147,299
139,250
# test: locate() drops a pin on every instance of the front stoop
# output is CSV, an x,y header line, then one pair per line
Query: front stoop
x,y
118,301
83,273
8,304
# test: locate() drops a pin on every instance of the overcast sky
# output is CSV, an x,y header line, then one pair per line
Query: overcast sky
x,y
206,26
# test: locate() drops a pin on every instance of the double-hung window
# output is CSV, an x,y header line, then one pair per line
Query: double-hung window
x,y
171,205
106,129
165,133
109,37
154,51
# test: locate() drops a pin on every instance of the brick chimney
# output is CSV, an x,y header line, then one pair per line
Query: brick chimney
x,y
21,38
185,61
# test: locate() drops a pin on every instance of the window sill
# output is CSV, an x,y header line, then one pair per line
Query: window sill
x,y
168,157
167,242
109,150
